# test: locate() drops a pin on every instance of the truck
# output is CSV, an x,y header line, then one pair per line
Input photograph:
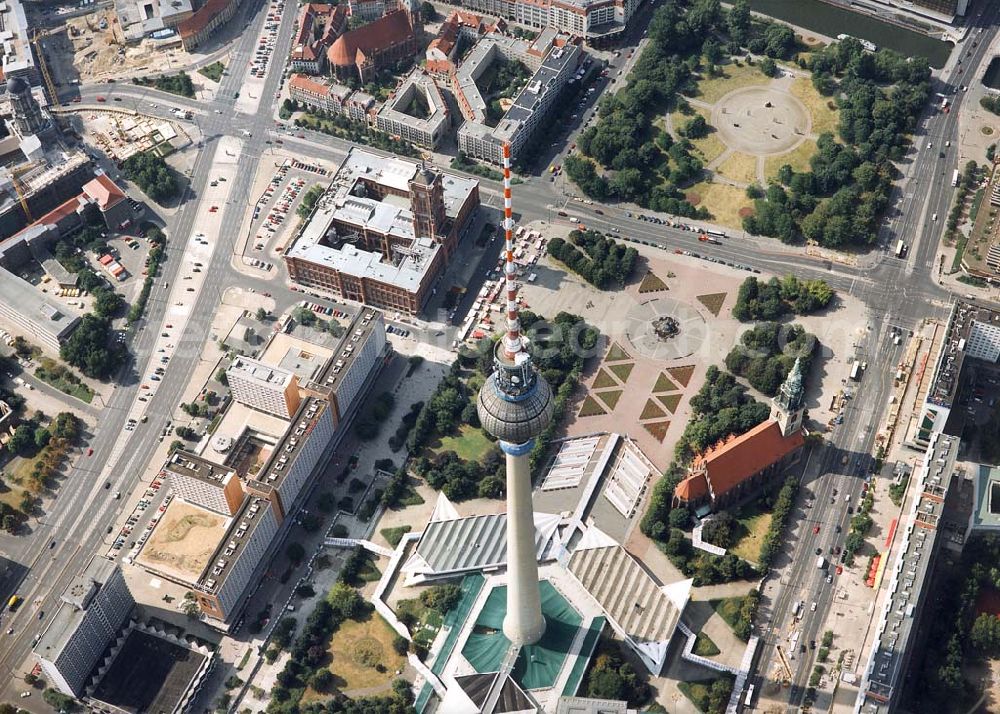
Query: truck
x,y
181,113
954,178
704,238
856,370
820,562
14,601
900,249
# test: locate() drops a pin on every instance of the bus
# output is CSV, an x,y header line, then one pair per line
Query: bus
x,y
856,370
719,234
954,178
900,249
748,699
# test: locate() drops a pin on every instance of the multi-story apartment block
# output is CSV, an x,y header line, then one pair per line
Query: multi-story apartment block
x,y
368,10
553,58
91,613
270,389
204,483
458,27
16,57
205,21
334,98
260,463
221,588
591,19
400,118
365,248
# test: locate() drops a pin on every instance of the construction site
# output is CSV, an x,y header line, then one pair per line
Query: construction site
x,y
91,49
120,133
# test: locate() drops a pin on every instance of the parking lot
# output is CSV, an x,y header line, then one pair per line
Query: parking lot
x,y
249,97
273,218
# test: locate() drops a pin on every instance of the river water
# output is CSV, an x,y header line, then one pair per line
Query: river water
x,y
829,20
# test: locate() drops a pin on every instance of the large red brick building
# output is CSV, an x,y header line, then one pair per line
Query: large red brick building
x,y
361,244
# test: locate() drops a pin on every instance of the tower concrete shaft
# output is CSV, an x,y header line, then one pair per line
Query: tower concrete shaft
x,y
523,624
515,405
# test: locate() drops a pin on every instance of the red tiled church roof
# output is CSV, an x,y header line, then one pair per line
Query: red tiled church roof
x,y
736,459
381,34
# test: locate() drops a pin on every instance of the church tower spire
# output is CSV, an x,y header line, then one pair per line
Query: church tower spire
x,y
789,403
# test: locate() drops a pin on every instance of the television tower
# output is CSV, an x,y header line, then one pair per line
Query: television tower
x,y
515,405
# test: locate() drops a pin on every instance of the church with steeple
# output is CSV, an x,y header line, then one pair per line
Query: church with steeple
x,y
737,467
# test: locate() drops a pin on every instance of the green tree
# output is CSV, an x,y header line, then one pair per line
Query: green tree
x,y
295,552
41,437
441,598
346,601
90,348
107,302
152,175
738,21
779,40
22,441
695,128
322,681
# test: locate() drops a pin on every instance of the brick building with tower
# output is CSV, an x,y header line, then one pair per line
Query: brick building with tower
x,y
383,231
736,467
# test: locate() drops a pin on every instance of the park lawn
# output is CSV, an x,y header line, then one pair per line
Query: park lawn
x,y
739,167
78,390
797,158
823,117
470,444
704,646
394,535
728,609
723,202
679,118
11,495
709,147
19,471
213,71
355,642
755,524
712,89
698,692
428,621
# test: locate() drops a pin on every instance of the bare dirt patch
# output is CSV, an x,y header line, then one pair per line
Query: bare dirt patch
x,y
682,374
761,120
184,539
713,302
657,429
651,283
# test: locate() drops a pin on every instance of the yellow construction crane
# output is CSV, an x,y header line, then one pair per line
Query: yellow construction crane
x,y
19,189
40,56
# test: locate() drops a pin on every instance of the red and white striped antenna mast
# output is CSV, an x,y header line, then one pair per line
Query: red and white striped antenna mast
x,y
512,343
